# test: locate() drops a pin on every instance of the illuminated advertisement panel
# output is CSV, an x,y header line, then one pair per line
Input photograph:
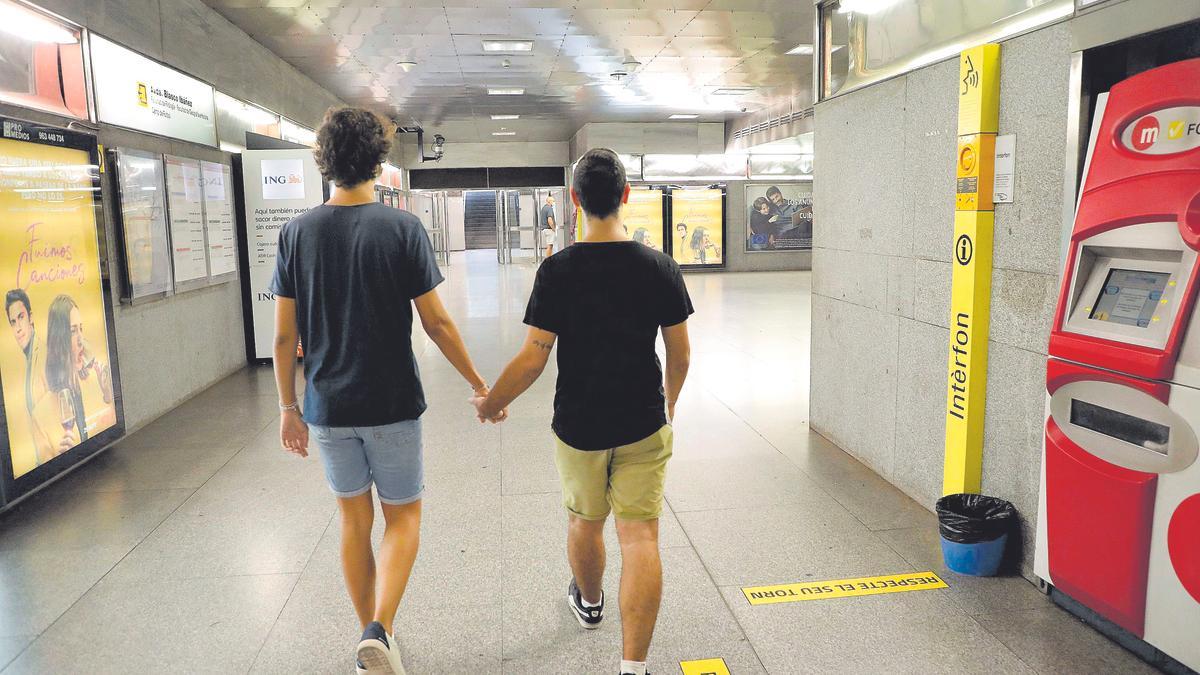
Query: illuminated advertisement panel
x,y
698,227
643,217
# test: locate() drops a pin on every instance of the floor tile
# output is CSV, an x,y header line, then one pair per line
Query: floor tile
x,y
38,585
56,520
195,626
11,646
1051,640
766,480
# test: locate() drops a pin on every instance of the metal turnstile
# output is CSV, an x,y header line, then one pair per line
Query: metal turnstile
x,y
518,232
430,208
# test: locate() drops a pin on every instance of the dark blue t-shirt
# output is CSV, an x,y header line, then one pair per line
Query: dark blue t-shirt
x,y
354,271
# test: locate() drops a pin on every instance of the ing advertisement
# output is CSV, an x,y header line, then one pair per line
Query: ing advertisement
x,y
779,217
55,359
643,217
698,232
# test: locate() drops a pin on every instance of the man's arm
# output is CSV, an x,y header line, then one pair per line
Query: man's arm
x,y
520,374
679,359
441,329
293,432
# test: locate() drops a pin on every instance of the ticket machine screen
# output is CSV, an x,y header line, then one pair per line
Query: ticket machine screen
x,y
1129,297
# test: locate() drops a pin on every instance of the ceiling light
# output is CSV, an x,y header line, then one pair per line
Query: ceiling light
x,y
682,116
31,26
506,91
506,117
406,66
504,133
493,46
732,91
803,50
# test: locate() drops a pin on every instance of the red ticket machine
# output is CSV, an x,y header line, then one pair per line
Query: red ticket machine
x,y
1119,519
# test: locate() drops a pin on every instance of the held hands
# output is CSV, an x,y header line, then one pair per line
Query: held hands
x,y
479,400
293,433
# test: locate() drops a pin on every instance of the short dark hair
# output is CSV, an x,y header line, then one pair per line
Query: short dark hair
x,y
773,191
351,144
760,202
13,297
599,182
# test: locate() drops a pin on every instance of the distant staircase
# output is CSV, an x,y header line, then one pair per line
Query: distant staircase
x,y
481,219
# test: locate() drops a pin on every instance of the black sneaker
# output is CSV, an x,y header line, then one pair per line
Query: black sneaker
x,y
378,652
588,617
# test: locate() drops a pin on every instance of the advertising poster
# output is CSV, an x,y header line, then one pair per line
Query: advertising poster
x,y
697,235
219,228
643,217
140,93
185,206
278,185
54,358
144,224
779,217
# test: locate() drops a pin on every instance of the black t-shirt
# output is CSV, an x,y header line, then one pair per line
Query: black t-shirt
x,y
354,271
606,302
547,215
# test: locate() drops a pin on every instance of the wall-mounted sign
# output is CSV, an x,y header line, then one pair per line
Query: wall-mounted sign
x,y
780,217
143,221
278,185
185,204
139,93
219,228
1006,161
698,229
643,217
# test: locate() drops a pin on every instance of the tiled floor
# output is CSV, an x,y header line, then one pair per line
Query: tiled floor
x,y
197,545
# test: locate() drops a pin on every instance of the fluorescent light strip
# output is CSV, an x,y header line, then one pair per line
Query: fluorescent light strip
x,y
803,50
731,91
506,117
683,117
492,46
505,91
504,133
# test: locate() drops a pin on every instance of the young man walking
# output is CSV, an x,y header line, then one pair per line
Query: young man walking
x,y
347,275
604,300
548,225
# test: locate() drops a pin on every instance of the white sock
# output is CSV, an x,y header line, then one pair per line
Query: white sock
x,y
591,605
633,667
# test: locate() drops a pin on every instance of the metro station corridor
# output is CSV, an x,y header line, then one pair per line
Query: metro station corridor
x,y
197,542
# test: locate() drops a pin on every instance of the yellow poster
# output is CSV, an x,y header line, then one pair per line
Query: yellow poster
x,y
697,233
54,362
643,217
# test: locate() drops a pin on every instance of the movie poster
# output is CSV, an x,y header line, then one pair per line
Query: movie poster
x,y
643,217
779,217
57,379
698,230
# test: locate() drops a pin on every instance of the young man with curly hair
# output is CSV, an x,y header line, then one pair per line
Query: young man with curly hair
x,y
347,275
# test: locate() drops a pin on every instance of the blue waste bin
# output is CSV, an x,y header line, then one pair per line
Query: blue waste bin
x,y
974,531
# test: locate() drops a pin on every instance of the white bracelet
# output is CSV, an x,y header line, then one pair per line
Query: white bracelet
x,y
290,406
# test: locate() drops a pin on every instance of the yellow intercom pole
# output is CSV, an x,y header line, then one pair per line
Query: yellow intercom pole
x,y
971,289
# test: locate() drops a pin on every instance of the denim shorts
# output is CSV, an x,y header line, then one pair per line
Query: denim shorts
x,y
388,456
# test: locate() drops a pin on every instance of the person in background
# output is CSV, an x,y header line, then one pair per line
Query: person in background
x,y
347,276
605,300
548,225
785,209
762,225
70,364
19,311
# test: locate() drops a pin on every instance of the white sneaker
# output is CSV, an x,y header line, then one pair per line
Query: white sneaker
x,y
378,653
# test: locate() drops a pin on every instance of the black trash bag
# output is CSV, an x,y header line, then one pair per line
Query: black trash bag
x,y
971,519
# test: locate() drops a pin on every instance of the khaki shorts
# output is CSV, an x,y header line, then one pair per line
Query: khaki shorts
x,y
627,481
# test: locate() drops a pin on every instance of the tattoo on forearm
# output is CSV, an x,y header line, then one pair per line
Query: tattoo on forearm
x,y
543,345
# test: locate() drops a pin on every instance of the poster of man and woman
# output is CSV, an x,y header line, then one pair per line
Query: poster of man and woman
x,y
699,225
54,362
779,217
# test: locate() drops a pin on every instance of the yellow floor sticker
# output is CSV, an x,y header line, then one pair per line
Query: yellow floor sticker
x,y
843,588
705,667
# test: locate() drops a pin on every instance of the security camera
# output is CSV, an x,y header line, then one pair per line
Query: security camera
x,y
439,143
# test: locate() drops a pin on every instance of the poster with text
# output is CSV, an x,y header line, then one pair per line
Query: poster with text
x,y
185,205
144,224
278,186
219,228
779,217
54,360
643,217
697,234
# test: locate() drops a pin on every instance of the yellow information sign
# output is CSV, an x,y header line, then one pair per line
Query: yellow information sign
x,y
843,588
971,279
704,667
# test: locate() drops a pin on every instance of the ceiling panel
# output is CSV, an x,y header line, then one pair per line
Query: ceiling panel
x,y
675,51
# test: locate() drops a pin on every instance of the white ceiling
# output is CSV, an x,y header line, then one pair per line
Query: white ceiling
x,y
684,49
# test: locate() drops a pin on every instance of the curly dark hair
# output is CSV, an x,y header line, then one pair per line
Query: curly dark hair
x,y
351,144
